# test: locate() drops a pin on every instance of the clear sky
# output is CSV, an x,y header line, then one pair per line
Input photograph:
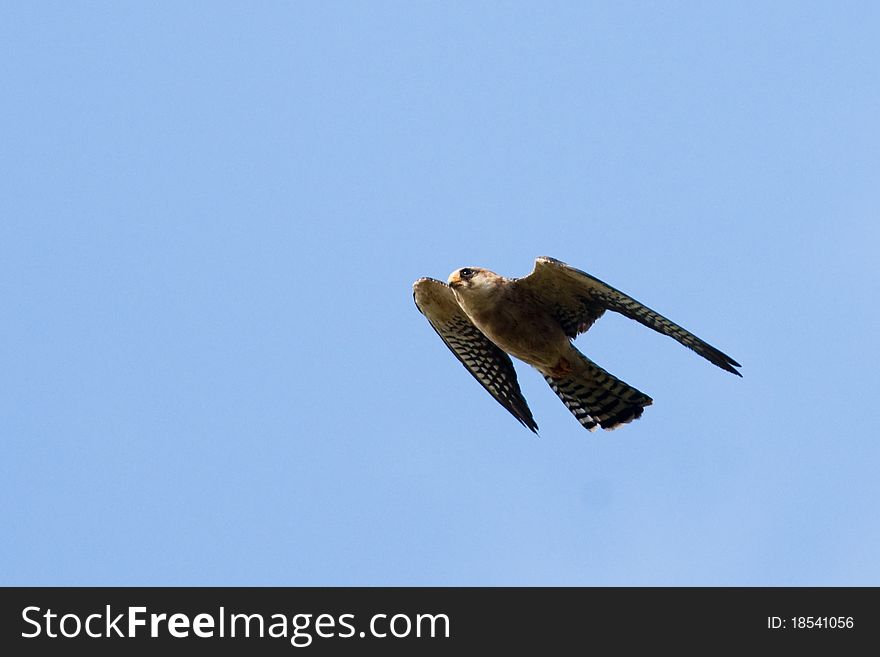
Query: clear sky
x,y
211,216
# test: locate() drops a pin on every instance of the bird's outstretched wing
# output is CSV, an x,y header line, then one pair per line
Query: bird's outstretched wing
x,y
487,363
577,299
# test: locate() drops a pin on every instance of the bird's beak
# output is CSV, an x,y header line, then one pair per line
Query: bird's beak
x,y
454,280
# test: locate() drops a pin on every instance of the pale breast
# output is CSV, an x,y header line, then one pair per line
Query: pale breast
x,y
521,329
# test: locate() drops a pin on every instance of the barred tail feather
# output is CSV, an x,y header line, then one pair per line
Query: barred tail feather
x,y
597,398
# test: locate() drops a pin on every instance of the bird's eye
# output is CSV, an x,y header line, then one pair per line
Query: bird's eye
x,y
466,272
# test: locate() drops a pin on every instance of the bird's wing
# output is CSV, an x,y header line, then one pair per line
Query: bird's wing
x,y
577,299
487,363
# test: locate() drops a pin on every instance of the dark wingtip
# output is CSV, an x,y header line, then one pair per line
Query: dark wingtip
x,y
720,359
529,424
730,365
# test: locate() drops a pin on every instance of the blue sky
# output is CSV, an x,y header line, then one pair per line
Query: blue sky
x,y
211,215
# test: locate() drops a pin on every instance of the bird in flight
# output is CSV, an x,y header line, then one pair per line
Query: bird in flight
x,y
482,317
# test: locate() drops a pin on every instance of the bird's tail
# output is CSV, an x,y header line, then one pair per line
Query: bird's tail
x,y
595,397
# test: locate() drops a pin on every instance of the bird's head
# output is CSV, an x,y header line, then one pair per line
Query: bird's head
x,y
472,280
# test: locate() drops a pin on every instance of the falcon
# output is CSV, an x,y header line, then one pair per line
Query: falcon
x,y
485,318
